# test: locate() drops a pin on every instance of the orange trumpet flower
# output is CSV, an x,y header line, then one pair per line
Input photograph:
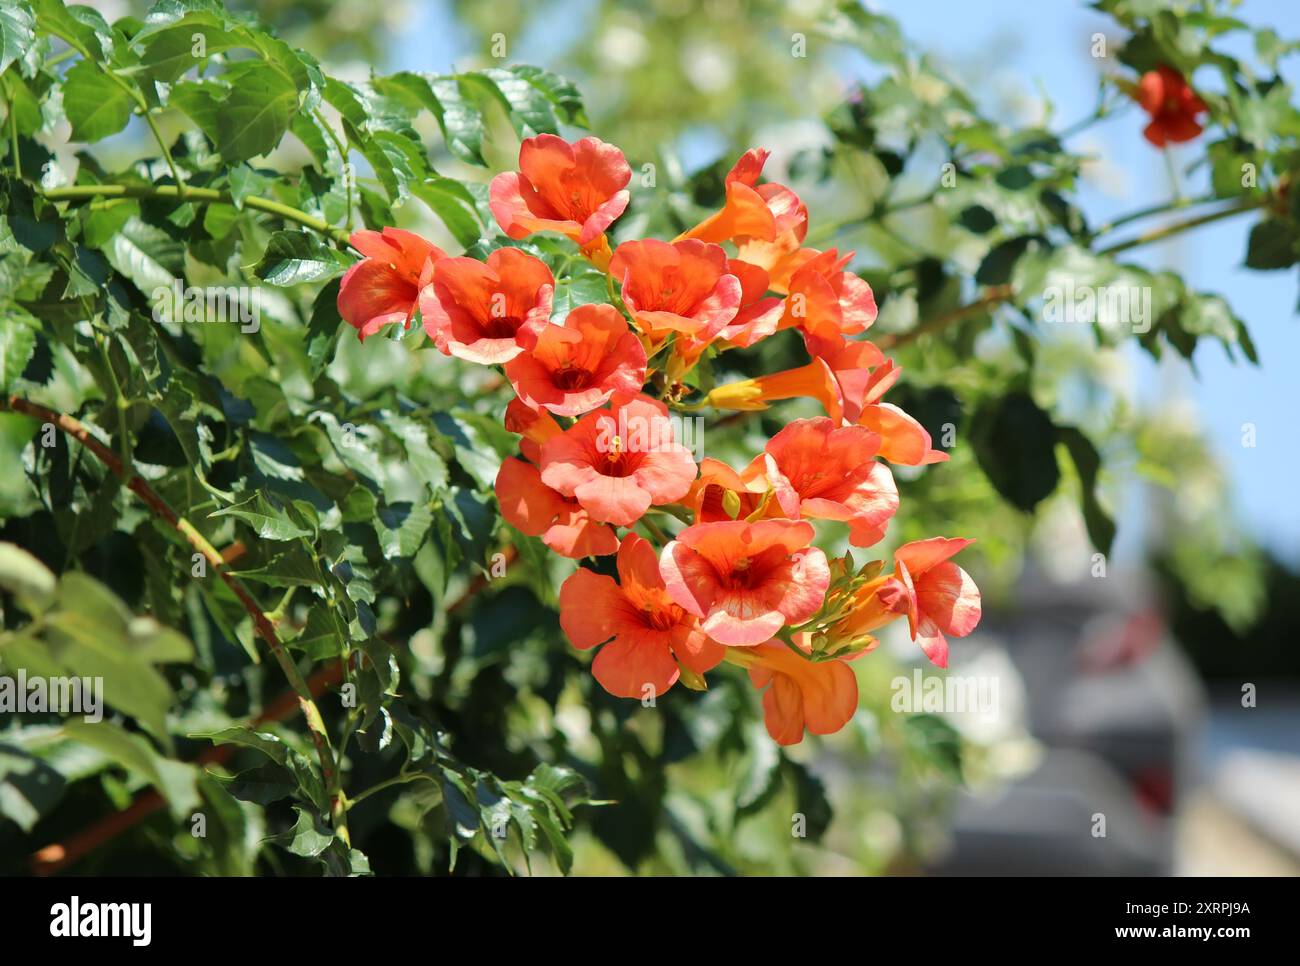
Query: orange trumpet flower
x,y
644,633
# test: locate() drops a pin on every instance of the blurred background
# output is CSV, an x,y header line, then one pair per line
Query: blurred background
x,y
1147,705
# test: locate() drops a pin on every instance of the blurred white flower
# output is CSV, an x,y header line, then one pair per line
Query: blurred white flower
x,y
622,47
709,67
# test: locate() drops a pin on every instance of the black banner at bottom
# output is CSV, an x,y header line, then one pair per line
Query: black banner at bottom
x,y
139,916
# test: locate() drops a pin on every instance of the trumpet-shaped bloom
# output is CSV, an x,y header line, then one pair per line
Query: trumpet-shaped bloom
x,y
820,697
647,634
819,471
384,287
1172,104
828,303
574,368
848,383
683,287
765,221
575,189
618,462
491,311
746,581
533,508
904,441
942,599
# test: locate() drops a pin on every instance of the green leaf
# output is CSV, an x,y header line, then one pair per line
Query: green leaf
x,y
174,780
402,529
997,265
29,788
810,799
246,111
309,837
562,94
460,119
1272,245
762,777
82,27
295,257
267,744
29,580
323,328
452,202
268,517
95,104
86,632
934,740
292,568
148,256
577,290
17,346
1014,444
261,785
16,32
256,113
1087,462
529,108
169,52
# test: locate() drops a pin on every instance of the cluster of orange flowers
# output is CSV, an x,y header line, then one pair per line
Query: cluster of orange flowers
x,y
599,451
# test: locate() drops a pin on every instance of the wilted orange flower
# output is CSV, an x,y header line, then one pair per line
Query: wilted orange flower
x,y
647,633
820,696
746,581
1172,104
619,462
821,472
384,287
679,287
533,508
575,189
575,367
491,311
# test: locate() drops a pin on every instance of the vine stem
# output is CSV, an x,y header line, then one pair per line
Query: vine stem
x,y
166,152
1175,204
85,192
1178,227
265,629
993,296
997,294
402,779
13,134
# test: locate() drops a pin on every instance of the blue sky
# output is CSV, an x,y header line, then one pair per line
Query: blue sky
x,y
1051,50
